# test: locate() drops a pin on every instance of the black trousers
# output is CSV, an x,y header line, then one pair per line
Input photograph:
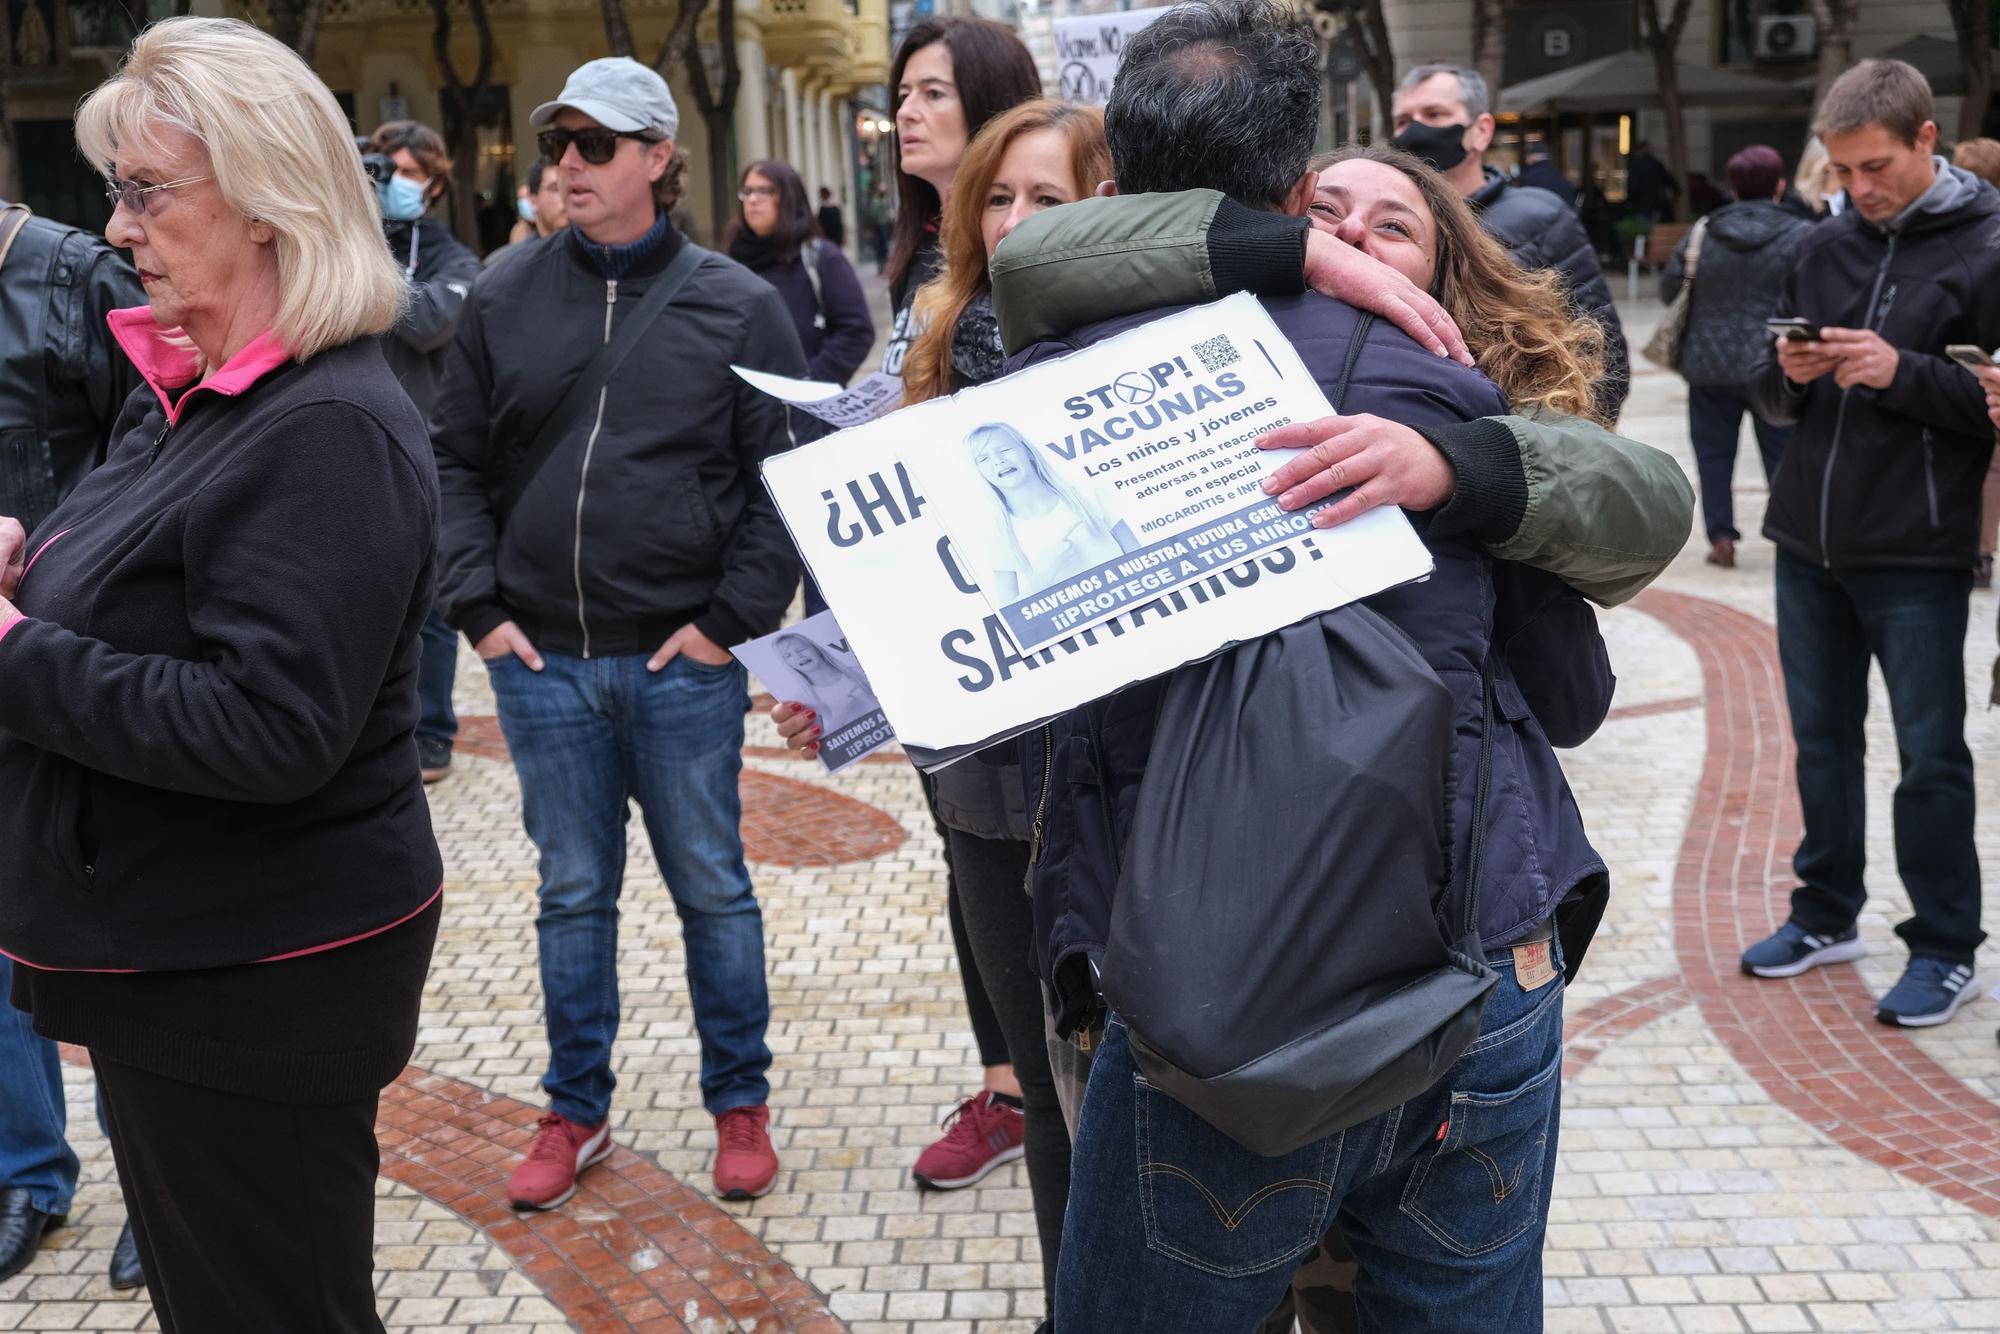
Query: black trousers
x,y
251,1217
999,916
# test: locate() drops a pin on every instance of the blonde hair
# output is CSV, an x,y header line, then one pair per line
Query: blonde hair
x,y
961,274
280,152
1810,181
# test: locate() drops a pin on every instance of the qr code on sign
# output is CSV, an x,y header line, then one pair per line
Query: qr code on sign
x,y
1216,352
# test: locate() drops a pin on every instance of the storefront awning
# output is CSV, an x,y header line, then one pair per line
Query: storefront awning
x,y
1626,82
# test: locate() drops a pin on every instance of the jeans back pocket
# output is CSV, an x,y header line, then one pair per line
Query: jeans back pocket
x,y
1213,1204
1482,1186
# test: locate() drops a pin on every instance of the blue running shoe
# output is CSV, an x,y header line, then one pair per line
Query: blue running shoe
x,y
1792,949
1930,993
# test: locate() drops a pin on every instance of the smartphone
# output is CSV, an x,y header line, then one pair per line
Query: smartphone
x,y
1971,356
1798,330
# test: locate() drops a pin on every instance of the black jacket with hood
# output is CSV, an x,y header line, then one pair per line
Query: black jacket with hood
x,y
1890,477
440,273
1746,251
650,515
1542,232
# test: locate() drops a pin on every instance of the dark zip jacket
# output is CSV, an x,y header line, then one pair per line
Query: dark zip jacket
x,y
1542,232
650,515
440,273
62,380
1890,477
206,731
1084,769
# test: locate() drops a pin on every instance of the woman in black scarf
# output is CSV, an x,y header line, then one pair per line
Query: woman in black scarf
x,y
776,237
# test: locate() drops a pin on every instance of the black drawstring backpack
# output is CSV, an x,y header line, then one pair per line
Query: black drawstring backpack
x,y
1289,949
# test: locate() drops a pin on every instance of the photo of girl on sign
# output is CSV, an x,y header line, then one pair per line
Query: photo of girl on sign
x,y
1048,531
833,688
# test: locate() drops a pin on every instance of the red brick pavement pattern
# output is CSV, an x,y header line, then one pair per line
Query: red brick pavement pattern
x,y
785,822
632,1252
1588,1031
1812,1042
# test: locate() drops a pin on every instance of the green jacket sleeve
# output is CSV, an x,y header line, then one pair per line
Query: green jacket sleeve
x,y
1602,512
1067,267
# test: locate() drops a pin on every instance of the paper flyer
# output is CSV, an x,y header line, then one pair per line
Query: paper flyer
x,y
811,663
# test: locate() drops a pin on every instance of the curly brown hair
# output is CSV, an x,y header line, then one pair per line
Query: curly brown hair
x,y
1520,327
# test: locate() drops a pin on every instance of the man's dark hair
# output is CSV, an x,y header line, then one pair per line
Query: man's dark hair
x,y
1219,95
535,170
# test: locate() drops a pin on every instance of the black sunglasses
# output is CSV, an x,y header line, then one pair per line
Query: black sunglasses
x,y
595,145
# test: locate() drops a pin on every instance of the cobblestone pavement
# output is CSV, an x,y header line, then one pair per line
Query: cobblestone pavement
x,y
1734,1156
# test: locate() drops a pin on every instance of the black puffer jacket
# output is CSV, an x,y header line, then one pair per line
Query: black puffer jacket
x,y
1542,232
1890,477
1746,250
62,380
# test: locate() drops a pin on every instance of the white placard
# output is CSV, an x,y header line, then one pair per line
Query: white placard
x,y
946,669
875,396
1089,49
812,664
1126,471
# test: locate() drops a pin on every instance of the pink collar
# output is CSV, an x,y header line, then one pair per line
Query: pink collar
x,y
168,361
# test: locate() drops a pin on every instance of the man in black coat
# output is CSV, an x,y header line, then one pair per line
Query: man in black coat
x,y
414,172
1442,114
62,384
1875,513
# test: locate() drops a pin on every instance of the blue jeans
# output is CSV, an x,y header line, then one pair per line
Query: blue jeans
x,y
1173,1228
1715,422
34,1156
437,667
1830,622
588,736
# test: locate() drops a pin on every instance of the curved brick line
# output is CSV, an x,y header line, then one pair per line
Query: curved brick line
x,y
633,1250
785,822
1588,1031
1812,1042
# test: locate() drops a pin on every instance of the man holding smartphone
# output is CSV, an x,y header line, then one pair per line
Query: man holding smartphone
x,y
1875,513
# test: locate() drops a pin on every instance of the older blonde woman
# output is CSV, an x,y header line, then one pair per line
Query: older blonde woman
x,y
219,872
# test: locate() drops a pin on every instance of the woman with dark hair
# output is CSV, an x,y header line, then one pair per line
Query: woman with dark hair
x,y
951,76
775,236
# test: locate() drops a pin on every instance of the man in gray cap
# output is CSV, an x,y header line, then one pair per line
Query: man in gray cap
x,y
606,539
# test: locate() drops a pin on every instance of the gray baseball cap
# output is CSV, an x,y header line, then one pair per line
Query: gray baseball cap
x,y
618,93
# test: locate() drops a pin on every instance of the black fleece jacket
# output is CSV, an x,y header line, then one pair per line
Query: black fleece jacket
x,y
650,514
206,722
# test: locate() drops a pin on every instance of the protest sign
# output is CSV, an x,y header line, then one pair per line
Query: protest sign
x,y
876,396
1089,48
812,664
947,671
1123,471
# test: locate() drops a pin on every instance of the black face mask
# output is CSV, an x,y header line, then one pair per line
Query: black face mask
x,y
1443,146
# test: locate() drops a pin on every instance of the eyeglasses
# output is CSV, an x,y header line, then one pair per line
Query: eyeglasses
x,y
595,145
131,196
750,192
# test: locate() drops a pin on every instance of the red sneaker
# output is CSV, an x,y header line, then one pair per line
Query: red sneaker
x,y
561,1151
746,1166
980,1136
